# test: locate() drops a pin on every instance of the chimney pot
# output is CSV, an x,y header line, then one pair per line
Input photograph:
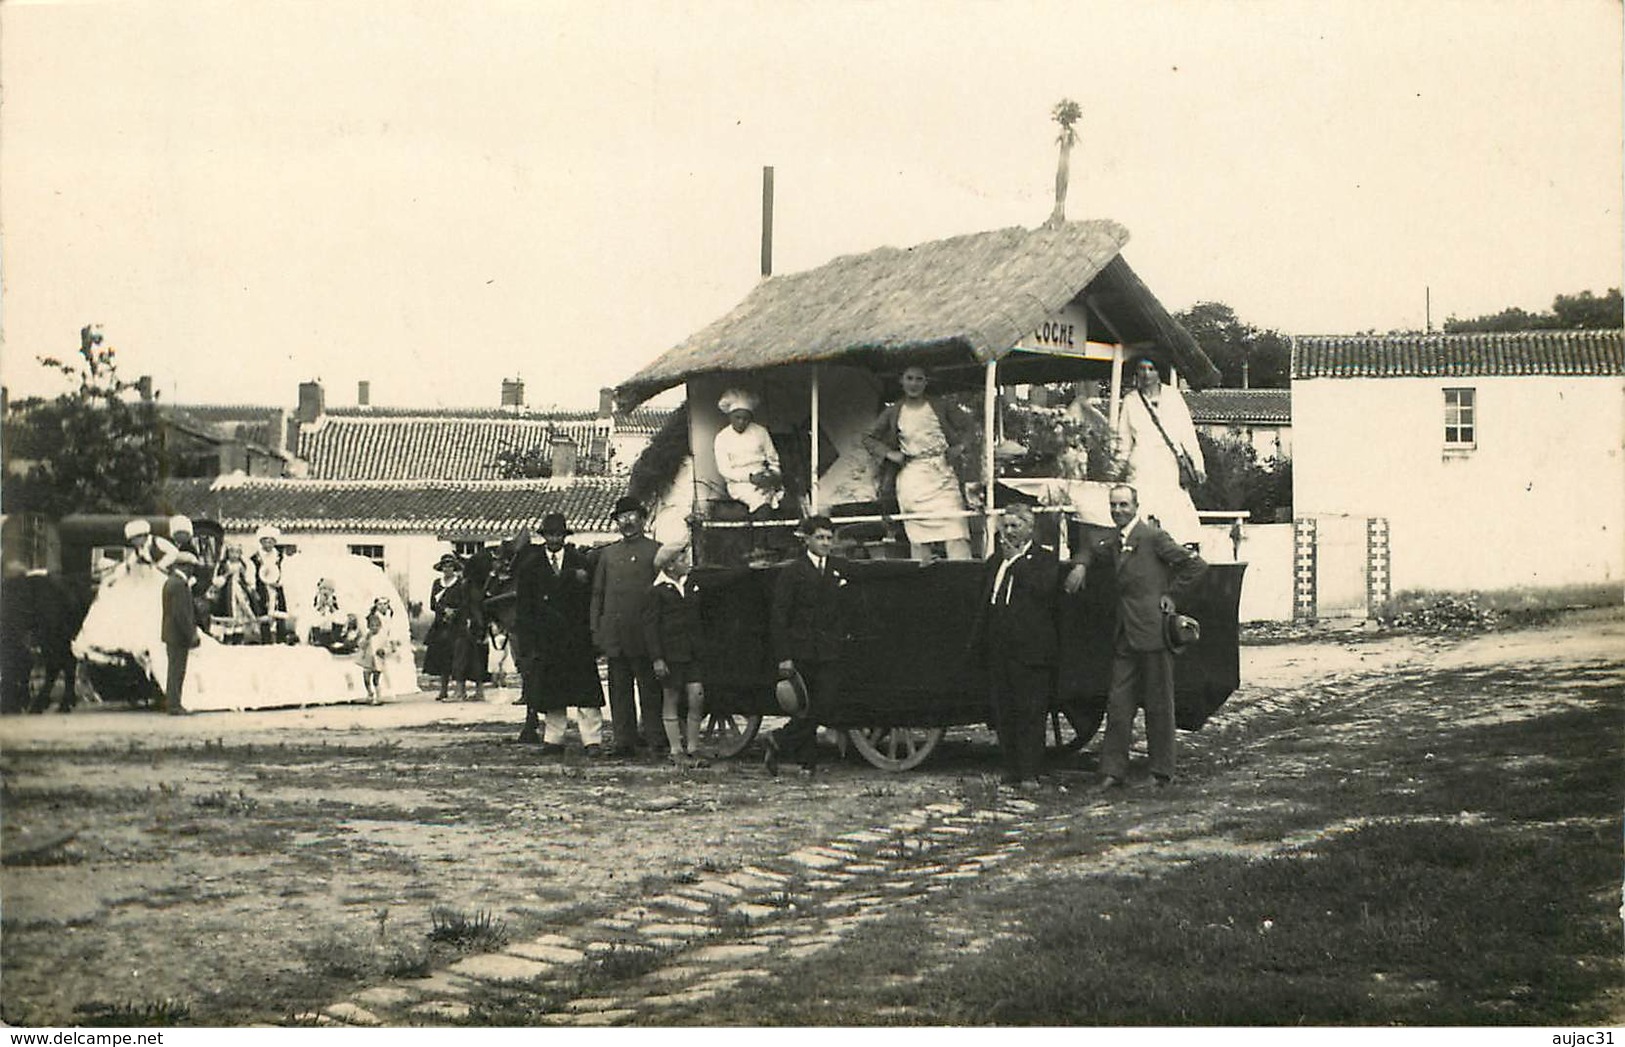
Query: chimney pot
x,y
606,403
312,402
363,393
513,392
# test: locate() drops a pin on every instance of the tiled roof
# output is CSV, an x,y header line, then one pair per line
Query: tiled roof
x,y
423,446
643,420
1240,406
488,507
201,424
1464,355
247,423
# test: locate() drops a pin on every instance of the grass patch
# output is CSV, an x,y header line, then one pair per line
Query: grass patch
x,y
481,932
133,1014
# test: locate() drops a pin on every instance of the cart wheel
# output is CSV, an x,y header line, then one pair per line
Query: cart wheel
x,y
726,734
896,748
1084,721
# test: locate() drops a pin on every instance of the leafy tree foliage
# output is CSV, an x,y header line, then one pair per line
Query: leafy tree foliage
x,y
1236,347
94,450
530,463
1570,312
1237,479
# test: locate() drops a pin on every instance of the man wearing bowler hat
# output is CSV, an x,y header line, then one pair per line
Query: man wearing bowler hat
x,y
622,582
809,638
553,641
1151,570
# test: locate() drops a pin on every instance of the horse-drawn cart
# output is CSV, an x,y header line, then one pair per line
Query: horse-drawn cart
x,y
818,350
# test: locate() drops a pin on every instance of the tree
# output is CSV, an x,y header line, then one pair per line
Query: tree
x,y
1066,113
531,463
1570,312
1236,479
1247,357
92,450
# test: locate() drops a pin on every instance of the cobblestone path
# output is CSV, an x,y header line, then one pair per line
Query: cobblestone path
x,y
711,934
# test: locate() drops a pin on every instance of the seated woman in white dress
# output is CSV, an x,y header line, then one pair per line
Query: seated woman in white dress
x,y
746,457
921,441
1154,432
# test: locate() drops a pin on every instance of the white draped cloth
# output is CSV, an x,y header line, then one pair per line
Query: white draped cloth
x,y
1152,467
126,616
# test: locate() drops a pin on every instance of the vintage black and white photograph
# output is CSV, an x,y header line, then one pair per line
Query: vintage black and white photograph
x,y
773,514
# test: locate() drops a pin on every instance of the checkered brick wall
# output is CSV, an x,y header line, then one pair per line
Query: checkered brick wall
x,y
1378,578
1303,568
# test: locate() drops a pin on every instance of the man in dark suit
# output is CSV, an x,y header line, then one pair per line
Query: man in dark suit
x,y
52,621
809,637
621,584
180,635
553,641
1015,630
1152,569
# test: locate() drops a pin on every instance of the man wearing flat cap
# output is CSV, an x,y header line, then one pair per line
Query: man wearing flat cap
x,y
553,641
621,585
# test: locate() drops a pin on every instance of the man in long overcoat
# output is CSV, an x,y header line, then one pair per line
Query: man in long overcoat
x,y
1016,635
621,585
553,642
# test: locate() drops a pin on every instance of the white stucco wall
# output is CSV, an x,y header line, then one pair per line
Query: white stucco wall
x,y
1540,501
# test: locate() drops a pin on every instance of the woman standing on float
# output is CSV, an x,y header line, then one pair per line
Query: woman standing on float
x,y
1158,453
920,441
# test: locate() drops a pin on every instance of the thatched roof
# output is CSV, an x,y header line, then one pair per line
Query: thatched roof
x,y
953,303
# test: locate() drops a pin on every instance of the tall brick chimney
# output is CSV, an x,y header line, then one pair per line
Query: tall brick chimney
x,y
606,403
363,393
564,456
312,402
513,392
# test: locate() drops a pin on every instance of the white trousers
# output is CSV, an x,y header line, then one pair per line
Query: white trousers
x,y
589,719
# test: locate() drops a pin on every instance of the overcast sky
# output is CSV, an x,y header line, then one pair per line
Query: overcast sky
x,y
435,195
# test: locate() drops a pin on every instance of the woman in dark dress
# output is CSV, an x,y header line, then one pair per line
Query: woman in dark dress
x,y
451,643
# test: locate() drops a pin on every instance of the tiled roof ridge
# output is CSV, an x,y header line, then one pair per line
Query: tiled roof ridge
x,y
426,483
528,414
1547,333
1558,353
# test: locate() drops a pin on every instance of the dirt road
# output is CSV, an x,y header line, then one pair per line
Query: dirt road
x,y
238,868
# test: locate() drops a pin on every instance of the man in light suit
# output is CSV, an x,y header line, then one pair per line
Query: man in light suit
x,y
621,584
1015,631
1152,569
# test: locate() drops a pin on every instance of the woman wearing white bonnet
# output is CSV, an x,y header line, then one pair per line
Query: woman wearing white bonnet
x,y
745,454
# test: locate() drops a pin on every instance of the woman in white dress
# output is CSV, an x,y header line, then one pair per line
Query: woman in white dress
x,y
746,457
920,441
1154,432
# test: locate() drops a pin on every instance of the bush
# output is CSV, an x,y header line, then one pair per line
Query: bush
x,y
1237,480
